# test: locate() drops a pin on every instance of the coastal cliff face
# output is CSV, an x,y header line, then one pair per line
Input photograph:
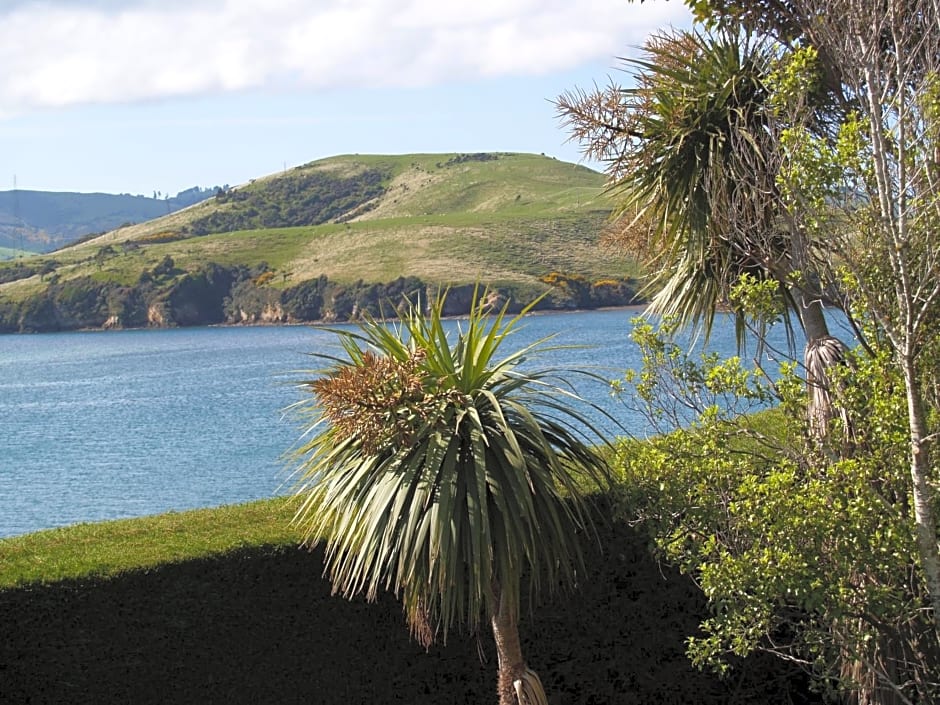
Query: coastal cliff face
x,y
156,316
458,302
269,315
214,294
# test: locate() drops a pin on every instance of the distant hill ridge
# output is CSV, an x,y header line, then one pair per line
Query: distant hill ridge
x,y
352,188
41,221
334,239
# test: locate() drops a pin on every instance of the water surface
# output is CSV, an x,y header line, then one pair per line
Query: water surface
x,y
102,425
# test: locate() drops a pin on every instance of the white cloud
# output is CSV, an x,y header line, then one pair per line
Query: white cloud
x,y
103,51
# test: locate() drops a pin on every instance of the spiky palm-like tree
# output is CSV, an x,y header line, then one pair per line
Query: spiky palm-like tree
x,y
448,476
693,152
689,156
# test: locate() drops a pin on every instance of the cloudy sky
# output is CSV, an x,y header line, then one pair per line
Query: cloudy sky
x,y
138,96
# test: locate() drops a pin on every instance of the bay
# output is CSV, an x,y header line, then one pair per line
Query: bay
x,y
104,425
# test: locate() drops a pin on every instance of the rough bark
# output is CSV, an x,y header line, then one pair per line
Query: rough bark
x,y
821,353
509,651
822,350
516,684
873,678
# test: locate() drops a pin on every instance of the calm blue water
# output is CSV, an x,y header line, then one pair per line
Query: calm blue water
x,y
105,425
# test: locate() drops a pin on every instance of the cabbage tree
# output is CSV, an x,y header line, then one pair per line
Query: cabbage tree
x,y
692,151
448,475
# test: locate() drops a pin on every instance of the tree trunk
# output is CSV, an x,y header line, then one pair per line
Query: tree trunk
x,y
822,350
812,315
516,684
874,679
820,357
924,517
821,353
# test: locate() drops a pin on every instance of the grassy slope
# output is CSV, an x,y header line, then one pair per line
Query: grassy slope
x,y
219,605
508,220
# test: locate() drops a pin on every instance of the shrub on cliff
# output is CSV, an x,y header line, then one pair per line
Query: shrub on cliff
x,y
198,298
304,302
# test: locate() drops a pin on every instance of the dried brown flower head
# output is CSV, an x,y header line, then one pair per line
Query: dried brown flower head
x,y
380,400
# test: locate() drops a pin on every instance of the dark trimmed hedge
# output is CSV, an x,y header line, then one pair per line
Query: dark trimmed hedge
x,y
261,626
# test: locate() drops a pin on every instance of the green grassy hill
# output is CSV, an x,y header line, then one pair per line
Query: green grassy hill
x,y
505,220
521,215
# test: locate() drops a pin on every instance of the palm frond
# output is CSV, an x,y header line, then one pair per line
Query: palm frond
x,y
695,170
456,472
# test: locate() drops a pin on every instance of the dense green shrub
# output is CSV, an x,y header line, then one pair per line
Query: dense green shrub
x,y
9,317
382,300
69,305
198,298
15,271
464,158
250,302
804,547
126,306
304,302
308,198
574,291
37,314
166,267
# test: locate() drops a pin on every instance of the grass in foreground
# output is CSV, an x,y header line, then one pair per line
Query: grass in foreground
x,y
113,547
258,624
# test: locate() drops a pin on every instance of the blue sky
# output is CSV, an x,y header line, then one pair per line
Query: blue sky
x,y
139,96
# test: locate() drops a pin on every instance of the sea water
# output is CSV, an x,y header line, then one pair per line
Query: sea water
x,y
102,425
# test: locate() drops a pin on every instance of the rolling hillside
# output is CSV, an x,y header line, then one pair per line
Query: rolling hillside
x,y
334,227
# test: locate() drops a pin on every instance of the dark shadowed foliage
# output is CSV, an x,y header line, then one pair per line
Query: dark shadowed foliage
x,y
260,626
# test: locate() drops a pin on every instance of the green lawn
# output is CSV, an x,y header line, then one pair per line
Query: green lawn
x,y
109,548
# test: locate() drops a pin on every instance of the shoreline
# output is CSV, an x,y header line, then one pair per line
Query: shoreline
x,y
639,308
